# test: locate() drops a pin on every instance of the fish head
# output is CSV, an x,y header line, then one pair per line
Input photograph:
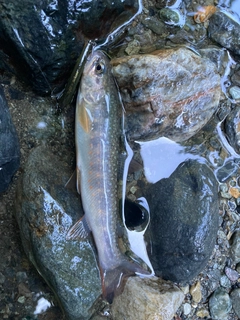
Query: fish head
x,y
95,78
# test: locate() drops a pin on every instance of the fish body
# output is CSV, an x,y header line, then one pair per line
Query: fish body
x,y
97,135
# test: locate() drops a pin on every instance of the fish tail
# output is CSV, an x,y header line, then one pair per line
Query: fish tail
x,y
113,280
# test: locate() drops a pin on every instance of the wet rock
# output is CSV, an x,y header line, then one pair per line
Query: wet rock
x,y
232,128
220,304
235,297
172,16
43,39
184,221
45,211
9,146
151,298
171,93
225,31
235,246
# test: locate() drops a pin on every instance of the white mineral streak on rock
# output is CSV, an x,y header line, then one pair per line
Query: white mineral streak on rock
x,y
149,298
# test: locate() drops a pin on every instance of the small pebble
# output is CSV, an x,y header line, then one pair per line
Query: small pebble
x,y
235,92
187,309
225,282
21,299
133,47
185,289
238,267
2,278
223,187
231,274
195,291
202,313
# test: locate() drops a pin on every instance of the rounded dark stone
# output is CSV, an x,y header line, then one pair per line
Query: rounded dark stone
x,y
225,31
184,221
9,146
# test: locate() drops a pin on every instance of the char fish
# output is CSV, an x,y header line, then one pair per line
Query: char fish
x,y
97,134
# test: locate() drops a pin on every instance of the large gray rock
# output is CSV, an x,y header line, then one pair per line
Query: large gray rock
x,y
225,31
171,93
45,211
9,146
43,39
184,221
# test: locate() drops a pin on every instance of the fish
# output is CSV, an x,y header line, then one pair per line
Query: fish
x,y
98,127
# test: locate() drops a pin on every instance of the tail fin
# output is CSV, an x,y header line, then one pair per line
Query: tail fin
x,y
113,280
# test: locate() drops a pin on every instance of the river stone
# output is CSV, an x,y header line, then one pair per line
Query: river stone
x,y
45,211
149,298
235,297
184,221
225,31
9,146
220,304
171,93
232,128
43,39
235,246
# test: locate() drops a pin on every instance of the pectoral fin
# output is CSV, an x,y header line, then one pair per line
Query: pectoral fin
x,y
84,119
80,230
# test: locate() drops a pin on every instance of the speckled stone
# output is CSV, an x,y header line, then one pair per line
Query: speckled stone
x,y
177,104
45,210
235,297
225,31
220,304
152,299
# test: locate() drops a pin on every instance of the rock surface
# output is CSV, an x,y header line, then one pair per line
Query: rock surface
x,y
171,93
152,299
184,221
9,146
225,31
235,298
41,40
232,128
220,304
45,211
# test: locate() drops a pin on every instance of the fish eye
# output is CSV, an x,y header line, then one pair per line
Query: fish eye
x,y
99,67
